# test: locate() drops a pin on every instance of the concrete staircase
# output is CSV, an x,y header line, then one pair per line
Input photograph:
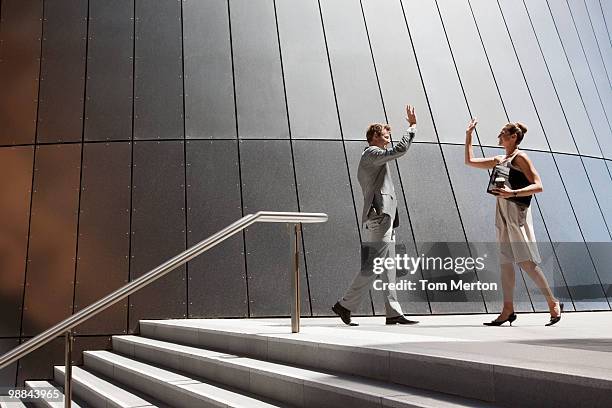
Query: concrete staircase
x,y
193,363
146,371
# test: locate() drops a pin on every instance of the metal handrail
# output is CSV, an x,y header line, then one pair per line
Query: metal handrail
x,y
68,324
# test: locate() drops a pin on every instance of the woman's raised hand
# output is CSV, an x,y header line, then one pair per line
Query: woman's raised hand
x,y
471,125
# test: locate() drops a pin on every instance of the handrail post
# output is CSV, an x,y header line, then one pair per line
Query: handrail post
x,y
295,277
68,369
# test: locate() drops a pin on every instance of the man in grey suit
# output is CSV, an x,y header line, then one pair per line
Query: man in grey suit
x,y
378,219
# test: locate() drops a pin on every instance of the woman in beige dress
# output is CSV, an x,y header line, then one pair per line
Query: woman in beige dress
x,y
513,221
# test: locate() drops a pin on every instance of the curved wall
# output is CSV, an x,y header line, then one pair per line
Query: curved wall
x,y
130,130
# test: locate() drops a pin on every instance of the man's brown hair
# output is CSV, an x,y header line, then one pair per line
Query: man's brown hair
x,y
376,129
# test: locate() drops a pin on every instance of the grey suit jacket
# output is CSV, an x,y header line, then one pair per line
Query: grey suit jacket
x,y
374,176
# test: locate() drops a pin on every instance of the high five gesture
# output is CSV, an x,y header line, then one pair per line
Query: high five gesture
x,y
410,115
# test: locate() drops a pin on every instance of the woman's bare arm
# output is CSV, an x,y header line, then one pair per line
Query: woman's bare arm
x,y
478,162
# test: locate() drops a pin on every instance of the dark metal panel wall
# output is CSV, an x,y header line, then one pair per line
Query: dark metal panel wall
x,y
565,86
509,76
8,374
158,86
310,95
600,180
582,197
564,232
538,79
110,50
104,233
15,184
60,109
260,97
607,11
424,178
217,279
20,36
396,66
209,87
158,228
477,211
268,183
332,249
51,261
477,208
583,74
39,364
596,17
450,112
354,150
350,57
589,215
475,73
87,343
588,41
435,220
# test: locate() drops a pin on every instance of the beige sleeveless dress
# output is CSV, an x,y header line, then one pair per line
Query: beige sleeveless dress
x,y
514,226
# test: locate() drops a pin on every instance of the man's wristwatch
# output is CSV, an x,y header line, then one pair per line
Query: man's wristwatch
x,y
516,193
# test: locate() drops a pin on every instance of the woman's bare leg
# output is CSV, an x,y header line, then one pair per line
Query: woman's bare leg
x,y
536,274
508,281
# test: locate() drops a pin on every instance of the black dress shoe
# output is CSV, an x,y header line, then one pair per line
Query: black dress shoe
x,y
344,314
399,320
511,317
556,319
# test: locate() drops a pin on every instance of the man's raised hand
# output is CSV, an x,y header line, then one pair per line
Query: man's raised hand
x,y
410,115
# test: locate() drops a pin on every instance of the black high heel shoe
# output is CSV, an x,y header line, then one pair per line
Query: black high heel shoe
x,y
511,317
555,320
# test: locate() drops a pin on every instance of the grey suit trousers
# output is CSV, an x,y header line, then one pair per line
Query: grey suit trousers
x,y
377,230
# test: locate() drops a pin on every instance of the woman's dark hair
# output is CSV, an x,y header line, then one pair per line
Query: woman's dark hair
x,y
516,128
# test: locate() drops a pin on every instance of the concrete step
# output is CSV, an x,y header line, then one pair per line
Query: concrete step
x,y
46,387
292,385
534,376
98,392
172,388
